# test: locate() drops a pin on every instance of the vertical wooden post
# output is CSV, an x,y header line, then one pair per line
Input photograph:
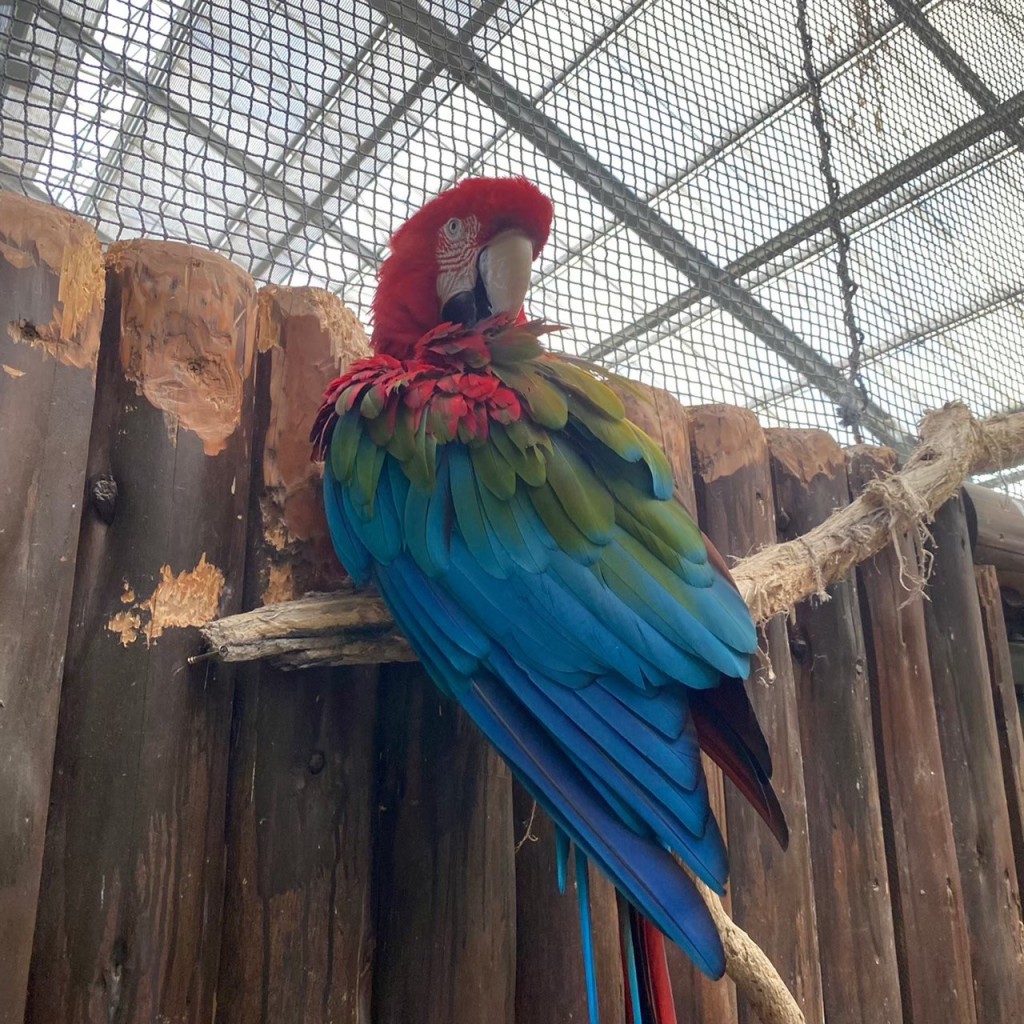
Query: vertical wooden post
x,y
444,871
859,974
297,929
133,874
51,307
974,774
928,904
772,890
1004,697
667,421
550,980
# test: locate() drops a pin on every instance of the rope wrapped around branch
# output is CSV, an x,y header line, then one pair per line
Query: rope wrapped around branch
x,y
953,446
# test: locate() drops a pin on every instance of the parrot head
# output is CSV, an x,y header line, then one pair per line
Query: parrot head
x,y
462,258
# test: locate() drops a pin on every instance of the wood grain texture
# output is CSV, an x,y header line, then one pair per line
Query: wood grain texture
x,y
298,932
1004,698
772,890
297,916
928,905
130,908
855,925
444,880
51,305
667,421
974,774
550,979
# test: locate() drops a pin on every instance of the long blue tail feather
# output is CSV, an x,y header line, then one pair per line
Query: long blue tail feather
x,y
587,932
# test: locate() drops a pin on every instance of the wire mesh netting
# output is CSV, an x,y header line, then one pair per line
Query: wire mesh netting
x,y
811,209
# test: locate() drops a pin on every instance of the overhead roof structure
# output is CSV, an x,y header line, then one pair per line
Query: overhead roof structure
x,y
812,209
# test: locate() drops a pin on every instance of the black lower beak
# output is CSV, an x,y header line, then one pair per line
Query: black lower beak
x,y
467,307
460,309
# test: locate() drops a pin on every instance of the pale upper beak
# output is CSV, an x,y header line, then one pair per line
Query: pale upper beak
x,y
496,282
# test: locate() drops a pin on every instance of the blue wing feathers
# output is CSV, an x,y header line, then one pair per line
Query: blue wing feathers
x,y
575,663
350,550
643,871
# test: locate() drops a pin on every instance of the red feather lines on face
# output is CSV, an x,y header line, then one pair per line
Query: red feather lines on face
x,y
449,381
406,305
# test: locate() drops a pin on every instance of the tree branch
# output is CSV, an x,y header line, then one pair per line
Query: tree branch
x,y
350,627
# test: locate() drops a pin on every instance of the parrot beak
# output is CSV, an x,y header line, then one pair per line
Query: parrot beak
x,y
499,285
504,268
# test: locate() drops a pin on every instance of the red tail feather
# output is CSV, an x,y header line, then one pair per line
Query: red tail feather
x,y
656,1003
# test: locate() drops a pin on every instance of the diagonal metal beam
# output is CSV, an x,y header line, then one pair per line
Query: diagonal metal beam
x,y
75,32
481,16
312,118
110,169
464,65
947,55
871,191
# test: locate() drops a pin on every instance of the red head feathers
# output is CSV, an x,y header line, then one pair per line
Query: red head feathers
x,y
464,257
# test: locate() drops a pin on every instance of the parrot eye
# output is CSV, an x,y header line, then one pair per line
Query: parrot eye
x,y
453,229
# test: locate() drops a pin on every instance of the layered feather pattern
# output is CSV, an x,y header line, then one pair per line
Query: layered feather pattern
x,y
523,531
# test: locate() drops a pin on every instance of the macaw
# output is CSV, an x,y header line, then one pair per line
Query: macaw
x,y
525,536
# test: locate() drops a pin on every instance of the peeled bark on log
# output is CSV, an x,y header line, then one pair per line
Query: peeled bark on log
x,y
297,914
51,306
133,874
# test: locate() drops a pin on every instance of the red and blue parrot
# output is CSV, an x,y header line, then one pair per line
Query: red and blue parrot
x,y
524,534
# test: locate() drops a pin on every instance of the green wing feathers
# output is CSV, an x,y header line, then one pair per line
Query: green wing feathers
x,y
586,469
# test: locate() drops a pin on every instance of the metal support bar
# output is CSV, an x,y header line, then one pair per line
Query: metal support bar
x,y
467,67
313,116
367,147
971,82
76,33
109,171
863,196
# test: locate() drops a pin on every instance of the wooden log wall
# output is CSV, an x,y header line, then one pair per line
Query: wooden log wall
x,y
855,925
923,878
51,306
129,922
773,894
263,846
298,933
974,773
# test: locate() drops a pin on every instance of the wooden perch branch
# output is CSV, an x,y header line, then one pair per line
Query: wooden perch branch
x,y
348,628
345,627
953,446
752,972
